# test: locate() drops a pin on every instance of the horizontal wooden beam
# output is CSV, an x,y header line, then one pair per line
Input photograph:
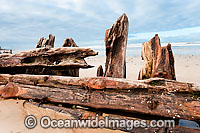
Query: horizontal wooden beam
x,y
46,61
159,97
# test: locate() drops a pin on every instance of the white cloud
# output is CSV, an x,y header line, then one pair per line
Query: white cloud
x,y
85,20
117,7
77,6
30,9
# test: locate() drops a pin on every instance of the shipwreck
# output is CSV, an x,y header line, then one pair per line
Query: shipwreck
x,y
48,77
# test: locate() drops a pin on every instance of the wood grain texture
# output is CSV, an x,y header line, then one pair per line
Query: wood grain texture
x,y
69,42
154,97
116,43
47,61
79,113
159,61
46,43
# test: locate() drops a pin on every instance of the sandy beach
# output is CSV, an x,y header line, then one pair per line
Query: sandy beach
x,y
186,67
13,112
42,43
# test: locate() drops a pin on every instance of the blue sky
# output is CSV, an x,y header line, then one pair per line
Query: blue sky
x,y
23,22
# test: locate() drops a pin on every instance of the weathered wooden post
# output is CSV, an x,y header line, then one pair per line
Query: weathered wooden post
x,y
39,44
51,41
116,43
47,43
100,71
159,61
69,42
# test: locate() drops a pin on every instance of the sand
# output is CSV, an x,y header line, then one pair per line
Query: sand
x,y
187,67
13,113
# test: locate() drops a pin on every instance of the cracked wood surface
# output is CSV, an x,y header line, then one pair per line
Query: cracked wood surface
x,y
153,97
159,61
81,114
116,43
47,61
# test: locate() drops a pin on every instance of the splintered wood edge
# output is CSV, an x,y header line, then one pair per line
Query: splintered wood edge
x,y
104,82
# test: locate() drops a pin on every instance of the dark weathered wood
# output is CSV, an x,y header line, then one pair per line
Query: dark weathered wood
x,y
80,113
46,43
5,51
116,43
51,41
100,71
153,97
159,61
69,42
46,61
39,43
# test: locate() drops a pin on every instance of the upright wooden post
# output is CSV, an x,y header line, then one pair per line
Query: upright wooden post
x,y
39,44
47,43
116,43
69,42
51,41
100,71
159,61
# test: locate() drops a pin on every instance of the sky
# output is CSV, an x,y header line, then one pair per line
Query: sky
x,y
23,22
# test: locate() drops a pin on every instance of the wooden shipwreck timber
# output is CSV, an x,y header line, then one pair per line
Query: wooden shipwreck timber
x,y
157,96
47,61
40,76
5,51
152,98
116,43
159,61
